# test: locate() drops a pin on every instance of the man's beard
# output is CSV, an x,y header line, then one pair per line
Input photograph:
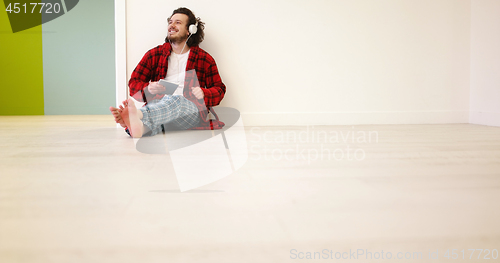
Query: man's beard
x,y
177,39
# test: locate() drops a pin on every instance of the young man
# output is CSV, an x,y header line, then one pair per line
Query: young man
x,y
198,90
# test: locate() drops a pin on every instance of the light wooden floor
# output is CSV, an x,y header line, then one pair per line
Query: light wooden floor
x,y
74,189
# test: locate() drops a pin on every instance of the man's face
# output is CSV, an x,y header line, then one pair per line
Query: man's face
x,y
177,28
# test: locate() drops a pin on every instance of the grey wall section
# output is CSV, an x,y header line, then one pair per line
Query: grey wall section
x,y
79,60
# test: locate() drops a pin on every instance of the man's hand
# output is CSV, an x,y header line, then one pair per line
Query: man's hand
x,y
198,93
156,88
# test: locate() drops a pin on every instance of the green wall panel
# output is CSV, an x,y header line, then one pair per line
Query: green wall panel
x,y
21,69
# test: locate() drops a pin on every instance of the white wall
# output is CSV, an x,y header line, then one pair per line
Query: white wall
x,y
485,63
328,61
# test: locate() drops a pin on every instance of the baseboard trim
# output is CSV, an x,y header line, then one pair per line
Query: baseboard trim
x,y
354,118
485,118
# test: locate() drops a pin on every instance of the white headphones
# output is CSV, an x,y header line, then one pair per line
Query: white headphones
x,y
193,28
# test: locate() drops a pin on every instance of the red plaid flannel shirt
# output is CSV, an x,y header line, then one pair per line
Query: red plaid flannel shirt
x,y
153,67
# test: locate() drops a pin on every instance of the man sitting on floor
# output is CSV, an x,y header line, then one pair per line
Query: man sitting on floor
x,y
187,107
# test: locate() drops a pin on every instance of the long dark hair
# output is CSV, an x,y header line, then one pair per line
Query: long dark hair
x,y
197,38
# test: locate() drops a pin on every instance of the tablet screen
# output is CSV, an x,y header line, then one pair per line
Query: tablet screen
x,y
170,87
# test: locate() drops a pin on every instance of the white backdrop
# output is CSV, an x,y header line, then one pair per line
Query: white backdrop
x,y
328,61
485,64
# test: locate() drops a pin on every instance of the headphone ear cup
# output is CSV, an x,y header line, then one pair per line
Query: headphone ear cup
x,y
193,29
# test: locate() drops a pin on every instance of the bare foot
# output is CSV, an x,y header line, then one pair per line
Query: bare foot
x,y
130,116
116,114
